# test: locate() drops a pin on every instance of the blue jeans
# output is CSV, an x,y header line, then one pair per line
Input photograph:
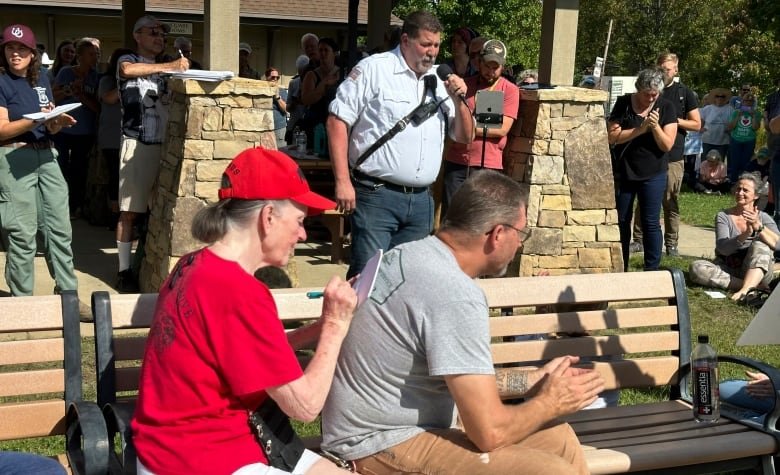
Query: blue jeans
x,y
385,218
650,194
740,154
18,463
735,392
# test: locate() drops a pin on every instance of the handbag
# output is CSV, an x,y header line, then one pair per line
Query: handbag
x,y
281,445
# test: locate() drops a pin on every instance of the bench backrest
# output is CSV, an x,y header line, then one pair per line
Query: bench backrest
x,y
640,339
635,325
122,324
40,364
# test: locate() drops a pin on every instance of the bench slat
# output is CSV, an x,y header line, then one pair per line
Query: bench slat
x,y
603,439
639,373
581,288
129,348
536,350
577,322
127,378
40,312
32,419
31,351
132,310
619,412
32,382
676,454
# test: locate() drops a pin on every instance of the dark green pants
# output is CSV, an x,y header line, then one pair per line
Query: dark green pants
x,y
33,197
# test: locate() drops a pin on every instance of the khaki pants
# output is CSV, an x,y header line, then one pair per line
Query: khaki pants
x,y
671,206
554,450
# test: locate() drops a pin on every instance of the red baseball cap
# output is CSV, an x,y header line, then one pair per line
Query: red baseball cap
x,y
260,174
20,34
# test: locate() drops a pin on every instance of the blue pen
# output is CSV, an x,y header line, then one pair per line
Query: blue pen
x,y
317,294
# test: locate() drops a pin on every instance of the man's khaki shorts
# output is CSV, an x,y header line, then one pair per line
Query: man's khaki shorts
x,y
139,166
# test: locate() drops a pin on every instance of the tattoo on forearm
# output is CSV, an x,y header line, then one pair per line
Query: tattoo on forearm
x,y
512,382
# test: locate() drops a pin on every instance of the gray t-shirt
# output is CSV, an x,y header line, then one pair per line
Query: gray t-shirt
x,y
425,319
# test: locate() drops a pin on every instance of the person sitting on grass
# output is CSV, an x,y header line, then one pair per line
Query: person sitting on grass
x,y
712,175
745,239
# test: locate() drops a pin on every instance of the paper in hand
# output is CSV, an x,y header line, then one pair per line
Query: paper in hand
x,y
57,111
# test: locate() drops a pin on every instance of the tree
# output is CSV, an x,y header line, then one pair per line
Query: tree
x,y
515,22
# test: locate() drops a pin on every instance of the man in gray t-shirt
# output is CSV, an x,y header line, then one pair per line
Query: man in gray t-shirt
x,y
418,352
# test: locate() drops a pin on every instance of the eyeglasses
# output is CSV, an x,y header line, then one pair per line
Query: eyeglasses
x,y
273,78
720,97
155,32
521,233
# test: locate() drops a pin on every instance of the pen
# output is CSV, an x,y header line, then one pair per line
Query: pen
x,y
315,294
181,55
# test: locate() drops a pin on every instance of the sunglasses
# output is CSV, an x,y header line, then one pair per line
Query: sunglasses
x,y
155,32
526,83
720,97
273,78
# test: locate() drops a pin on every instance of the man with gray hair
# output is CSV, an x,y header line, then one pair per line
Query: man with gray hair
x,y
420,348
294,106
310,46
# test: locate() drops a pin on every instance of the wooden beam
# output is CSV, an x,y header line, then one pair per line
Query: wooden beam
x,y
559,42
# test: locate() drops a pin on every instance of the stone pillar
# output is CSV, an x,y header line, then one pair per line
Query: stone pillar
x,y
221,34
558,147
209,124
559,42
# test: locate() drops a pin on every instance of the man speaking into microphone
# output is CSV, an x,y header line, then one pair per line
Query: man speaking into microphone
x,y
485,152
386,189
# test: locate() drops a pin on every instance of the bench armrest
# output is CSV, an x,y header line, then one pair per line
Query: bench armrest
x,y
86,439
770,421
117,416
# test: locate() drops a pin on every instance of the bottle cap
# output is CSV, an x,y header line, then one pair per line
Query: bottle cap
x,y
704,339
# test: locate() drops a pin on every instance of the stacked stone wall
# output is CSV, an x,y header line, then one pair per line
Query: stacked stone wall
x,y
558,148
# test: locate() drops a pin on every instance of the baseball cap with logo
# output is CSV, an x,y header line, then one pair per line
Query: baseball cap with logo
x,y
148,21
20,34
260,174
245,47
494,50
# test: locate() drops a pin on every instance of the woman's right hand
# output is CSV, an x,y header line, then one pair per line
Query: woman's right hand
x,y
339,302
651,121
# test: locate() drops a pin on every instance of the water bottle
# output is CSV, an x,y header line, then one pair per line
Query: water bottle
x,y
320,141
704,361
300,140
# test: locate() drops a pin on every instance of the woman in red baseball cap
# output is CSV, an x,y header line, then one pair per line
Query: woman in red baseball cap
x,y
217,349
31,183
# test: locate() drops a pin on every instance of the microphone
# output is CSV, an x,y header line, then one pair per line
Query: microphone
x,y
444,72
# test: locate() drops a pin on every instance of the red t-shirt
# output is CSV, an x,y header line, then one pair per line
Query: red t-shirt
x,y
471,154
215,345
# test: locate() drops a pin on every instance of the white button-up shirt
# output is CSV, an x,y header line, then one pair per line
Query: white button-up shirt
x,y
380,91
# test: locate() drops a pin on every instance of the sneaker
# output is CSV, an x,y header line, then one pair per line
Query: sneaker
x,y
635,247
672,251
126,282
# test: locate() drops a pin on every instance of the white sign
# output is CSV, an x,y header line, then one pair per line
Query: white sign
x,y
178,28
597,66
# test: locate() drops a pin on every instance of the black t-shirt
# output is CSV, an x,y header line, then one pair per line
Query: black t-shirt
x,y
640,158
684,101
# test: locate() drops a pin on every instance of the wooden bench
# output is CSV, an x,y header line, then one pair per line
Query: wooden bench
x,y
121,326
40,380
635,324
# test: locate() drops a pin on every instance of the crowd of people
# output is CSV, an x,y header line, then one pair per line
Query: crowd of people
x,y
219,322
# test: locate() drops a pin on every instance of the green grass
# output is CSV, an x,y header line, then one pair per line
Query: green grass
x,y
698,209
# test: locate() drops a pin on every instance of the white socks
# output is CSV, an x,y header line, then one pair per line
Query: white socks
x,y
125,250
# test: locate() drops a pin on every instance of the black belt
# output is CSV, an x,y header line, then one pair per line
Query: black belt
x,y
358,175
39,145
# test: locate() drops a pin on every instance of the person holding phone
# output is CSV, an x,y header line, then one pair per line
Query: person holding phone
x,y
642,127
487,149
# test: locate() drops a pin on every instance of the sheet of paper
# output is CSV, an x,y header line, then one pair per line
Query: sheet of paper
x,y
202,75
764,329
714,294
364,284
59,110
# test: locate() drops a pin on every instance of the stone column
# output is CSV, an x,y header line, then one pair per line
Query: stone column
x,y
209,124
558,147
